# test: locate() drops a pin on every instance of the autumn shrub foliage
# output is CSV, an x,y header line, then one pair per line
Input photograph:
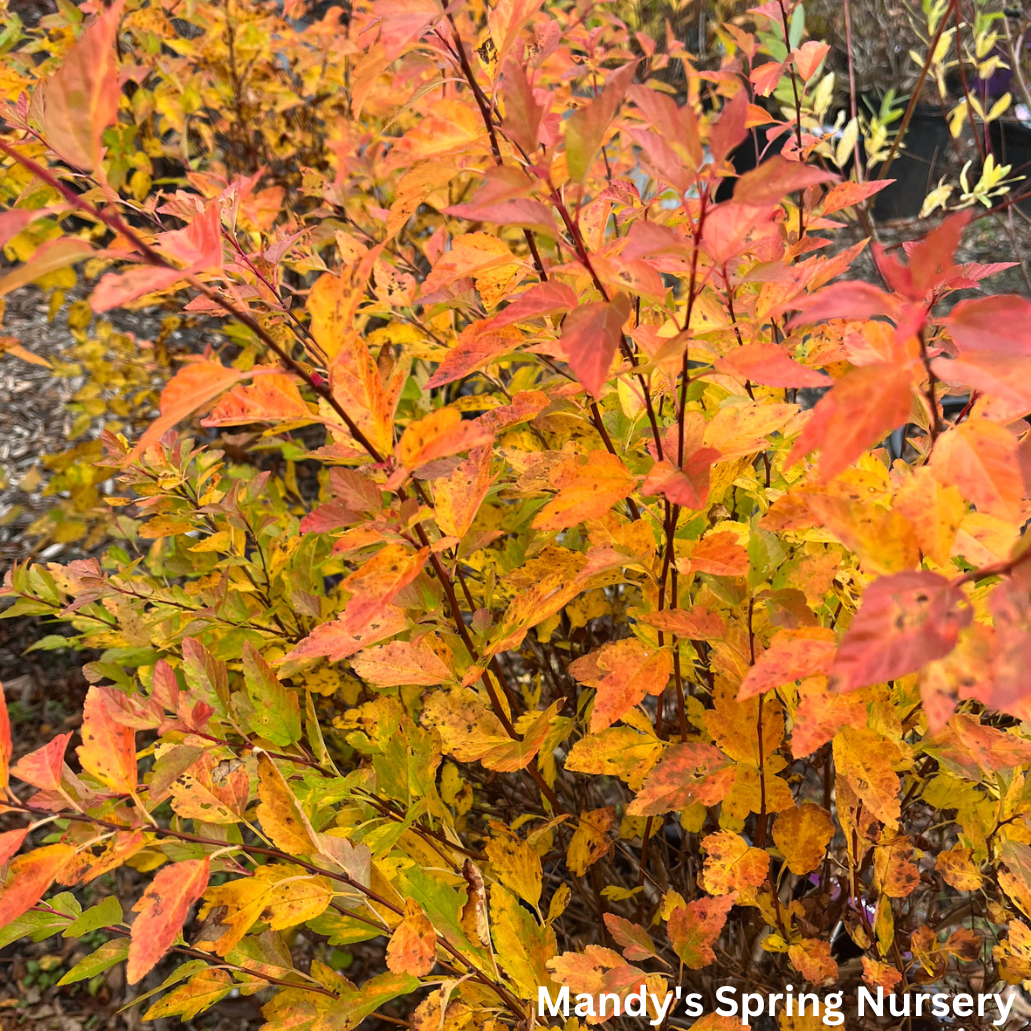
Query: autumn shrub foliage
x,y
484,609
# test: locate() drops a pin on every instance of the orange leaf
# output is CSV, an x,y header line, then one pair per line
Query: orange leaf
x,y
693,928
731,864
792,655
803,834
80,100
108,750
402,662
441,433
808,58
980,458
479,344
162,912
42,768
720,554
412,948
866,760
623,673
458,497
812,959
848,194
586,490
272,397
194,387
28,878
863,407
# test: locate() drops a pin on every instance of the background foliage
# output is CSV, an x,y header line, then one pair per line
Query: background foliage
x,y
483,609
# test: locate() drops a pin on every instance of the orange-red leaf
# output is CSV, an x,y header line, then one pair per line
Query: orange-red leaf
x,y
28,878
42,768
690,772
162,912
771,365
904,622
590,337
863,407
792,655
775,178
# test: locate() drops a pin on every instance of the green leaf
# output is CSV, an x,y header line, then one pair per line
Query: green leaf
x,y
97,962
276,716
104,913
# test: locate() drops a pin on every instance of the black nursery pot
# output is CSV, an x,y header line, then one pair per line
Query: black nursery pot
x,y
1011,145
916,169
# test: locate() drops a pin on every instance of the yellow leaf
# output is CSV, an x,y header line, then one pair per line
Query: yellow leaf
x,y
517,866
279,812
803,835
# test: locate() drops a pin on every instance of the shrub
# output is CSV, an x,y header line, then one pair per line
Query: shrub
x,y
497,627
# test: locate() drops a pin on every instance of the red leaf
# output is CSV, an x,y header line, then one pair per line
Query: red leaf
x,y
864,406
590,336
162,913
770,365
775,178
904,622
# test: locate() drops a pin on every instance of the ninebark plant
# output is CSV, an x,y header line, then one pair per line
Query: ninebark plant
x,y
485,611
